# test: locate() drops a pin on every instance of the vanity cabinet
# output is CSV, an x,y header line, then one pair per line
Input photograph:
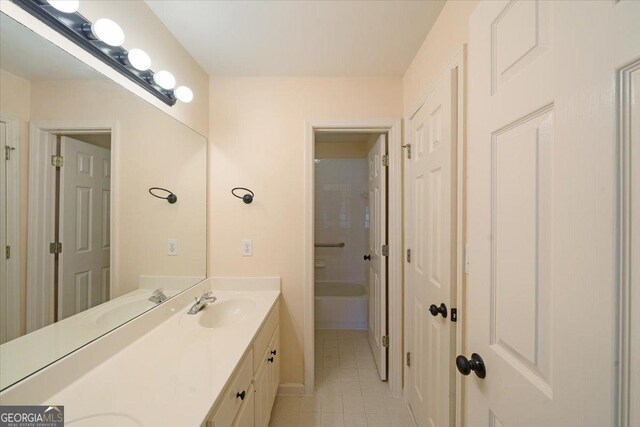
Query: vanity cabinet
x,y
251,391
266,382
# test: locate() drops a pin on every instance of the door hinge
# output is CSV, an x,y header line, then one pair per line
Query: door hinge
x,y
385,160
57,161
385,250
409,358
408,147
7,152
7,252
385,341
454,314
55,247
408,255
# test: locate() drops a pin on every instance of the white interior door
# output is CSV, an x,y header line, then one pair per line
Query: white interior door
x,y
378,262
85,187
542,163
431,236
4,282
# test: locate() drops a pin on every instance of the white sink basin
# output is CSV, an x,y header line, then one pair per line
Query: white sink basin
x,y
104,420
223,313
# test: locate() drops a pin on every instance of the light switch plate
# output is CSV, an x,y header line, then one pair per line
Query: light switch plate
x,y
246,247
172,247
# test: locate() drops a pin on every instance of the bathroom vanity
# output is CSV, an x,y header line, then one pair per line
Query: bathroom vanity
x,y
217,368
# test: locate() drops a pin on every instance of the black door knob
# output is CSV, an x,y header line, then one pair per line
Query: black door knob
x,y
367,257
435,310
476,364
241,395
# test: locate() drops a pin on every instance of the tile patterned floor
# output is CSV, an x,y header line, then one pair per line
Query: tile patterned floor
x,y
348,393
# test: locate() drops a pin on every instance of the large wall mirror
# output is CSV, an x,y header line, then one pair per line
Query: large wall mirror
x,y
85,246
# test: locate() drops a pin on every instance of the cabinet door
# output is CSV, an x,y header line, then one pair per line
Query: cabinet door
x,y
274,371
246,414
262,392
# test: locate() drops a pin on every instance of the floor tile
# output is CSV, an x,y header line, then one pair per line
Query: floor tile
x,y
378,420
331,404
355,420
353,404
332,420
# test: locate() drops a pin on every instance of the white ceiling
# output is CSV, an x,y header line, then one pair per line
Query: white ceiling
x,y
300,38
32,57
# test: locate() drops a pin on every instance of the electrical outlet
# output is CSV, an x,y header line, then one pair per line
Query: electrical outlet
x,y
172,247
246,247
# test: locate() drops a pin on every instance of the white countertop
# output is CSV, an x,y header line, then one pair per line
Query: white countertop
x,y
172,375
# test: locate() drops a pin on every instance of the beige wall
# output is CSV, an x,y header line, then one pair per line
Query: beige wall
x,y
144,30
449,33
257,137
15,102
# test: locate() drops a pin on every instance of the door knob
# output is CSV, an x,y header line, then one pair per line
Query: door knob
x,y
367,257
476,364
435,310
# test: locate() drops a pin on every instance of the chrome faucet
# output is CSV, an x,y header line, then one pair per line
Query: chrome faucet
x,y
158,296
205,299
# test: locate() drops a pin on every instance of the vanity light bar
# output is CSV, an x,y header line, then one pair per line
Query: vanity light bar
x,y
77,28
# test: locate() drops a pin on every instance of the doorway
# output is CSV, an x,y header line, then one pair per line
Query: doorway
x,y
350,262
384,337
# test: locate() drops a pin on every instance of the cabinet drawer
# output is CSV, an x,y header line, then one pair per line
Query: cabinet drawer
x,y
261,343
231,399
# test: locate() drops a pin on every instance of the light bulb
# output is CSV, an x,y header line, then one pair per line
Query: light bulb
x,y
184,94
66,6
139,59
108,31
164,79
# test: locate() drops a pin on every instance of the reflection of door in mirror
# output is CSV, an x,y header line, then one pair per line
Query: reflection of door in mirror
x,y
10,303
83,223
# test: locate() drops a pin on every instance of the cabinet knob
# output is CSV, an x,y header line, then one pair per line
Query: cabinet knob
x,y
241,395
273,352
270,359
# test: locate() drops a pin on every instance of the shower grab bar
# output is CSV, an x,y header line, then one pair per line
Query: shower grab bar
x,y
329,245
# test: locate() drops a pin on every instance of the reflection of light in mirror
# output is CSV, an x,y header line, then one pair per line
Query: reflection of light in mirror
x,y
184,94
108,31
164,79
66,6
139,59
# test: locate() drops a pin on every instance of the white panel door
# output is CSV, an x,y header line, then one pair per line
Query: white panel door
x,y
430,374
542,162
378,262
85,188
4,279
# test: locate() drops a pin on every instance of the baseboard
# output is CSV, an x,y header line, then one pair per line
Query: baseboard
x,y
290,389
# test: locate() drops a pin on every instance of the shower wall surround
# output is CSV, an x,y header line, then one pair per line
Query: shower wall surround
x,y
341,215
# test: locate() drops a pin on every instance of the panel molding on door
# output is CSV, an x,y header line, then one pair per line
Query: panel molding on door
x,y
542,209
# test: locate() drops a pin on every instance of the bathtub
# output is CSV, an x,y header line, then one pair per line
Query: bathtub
x,y
341,305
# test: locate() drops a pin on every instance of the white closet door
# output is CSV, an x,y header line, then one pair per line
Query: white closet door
x,y
430,375
85,206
